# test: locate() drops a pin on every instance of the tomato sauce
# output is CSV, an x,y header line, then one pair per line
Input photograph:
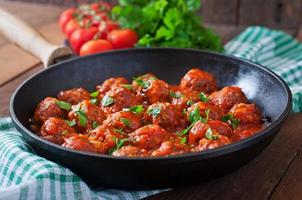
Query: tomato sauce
x,y
148,117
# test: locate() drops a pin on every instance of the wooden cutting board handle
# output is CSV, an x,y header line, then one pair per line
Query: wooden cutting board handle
x,y
25,36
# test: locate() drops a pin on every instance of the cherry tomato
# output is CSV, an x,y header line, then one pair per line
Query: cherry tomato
x,y
101,6
80,36
108,26
70,27
65,17
122,38
95,46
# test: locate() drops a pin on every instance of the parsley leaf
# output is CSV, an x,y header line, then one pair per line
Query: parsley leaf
x,y
64,105
175,94
203,97
186,130
94,124
125,121
118,144
154,111
65,132
93,101
194,115
119,130
142,83
138,109
165,23
71,123
107,100
207,112
209,135
189,103
128,86
234,122
94,94
82,117
183,140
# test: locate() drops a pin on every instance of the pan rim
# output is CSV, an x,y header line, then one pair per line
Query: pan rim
x,y
188,156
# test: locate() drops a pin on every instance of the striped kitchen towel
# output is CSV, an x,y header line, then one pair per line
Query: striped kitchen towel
x,y
275,50
24,175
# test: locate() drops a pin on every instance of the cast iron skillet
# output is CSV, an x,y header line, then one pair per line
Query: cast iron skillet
x,y
262,87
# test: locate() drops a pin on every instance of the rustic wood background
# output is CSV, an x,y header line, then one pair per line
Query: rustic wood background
x,y
281,14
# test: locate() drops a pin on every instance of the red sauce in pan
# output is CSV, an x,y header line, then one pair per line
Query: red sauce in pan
x,y
148,117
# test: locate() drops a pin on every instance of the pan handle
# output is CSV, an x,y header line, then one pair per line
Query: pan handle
x,y
25,36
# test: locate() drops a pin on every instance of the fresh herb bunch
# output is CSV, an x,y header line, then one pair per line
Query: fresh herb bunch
x,y
166,23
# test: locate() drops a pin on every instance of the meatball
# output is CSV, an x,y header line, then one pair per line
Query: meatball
x,y
182,98
74,96
56,129
246,113
165,115
151,90
227,97
130,151
149,137
86,115
124,121
118,98
46,109
82,143
199,81
199,130
205,144
245,131
107,136
110,83
206,110
170,148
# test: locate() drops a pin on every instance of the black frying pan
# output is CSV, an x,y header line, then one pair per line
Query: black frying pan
x,y
262,87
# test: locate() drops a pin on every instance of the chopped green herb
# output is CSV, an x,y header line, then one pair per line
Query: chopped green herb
x,y
184,111
64,105
128,86
119,130
94,124
118,144
142,83
154,111
207,112
175,94
65,132
135,109
234,122
125,121
71,123
107,100
209,135
94,94
203,97
183,140
93,101
189,103
186,130
194,115
82,117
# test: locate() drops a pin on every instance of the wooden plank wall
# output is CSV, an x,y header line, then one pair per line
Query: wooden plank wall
x,y
272,13
281,14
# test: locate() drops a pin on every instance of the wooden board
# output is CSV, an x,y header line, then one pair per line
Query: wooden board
x,y
256,180
290,13
291,185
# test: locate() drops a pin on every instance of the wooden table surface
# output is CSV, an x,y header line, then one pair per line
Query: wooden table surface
x,y
275,174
